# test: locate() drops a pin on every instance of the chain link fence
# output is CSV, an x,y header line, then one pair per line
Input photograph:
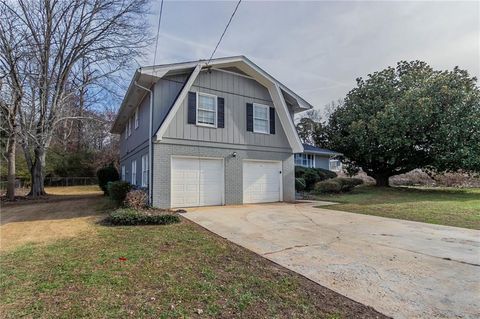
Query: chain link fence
x,y
54,182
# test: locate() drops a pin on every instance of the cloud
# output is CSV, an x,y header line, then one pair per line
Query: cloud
x,y
319,48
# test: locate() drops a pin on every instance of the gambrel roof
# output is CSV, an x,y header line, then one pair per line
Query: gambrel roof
x,y
280,94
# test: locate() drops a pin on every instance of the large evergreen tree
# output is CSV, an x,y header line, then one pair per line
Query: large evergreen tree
x,y
408,117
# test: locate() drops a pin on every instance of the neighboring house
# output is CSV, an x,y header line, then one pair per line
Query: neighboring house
x,y
317,157
221,134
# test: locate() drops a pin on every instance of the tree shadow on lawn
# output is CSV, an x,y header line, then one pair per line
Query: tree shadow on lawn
x,y
396,195
54,207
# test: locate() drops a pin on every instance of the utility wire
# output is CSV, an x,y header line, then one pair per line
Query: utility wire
x,y
158,33
226,27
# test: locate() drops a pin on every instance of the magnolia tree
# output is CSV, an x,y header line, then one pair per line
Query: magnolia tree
x,y
408,117
63,47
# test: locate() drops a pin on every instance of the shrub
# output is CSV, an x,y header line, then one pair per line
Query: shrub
x,y
313,175
300,184
327,173
328,186
105,175
128,217
118,190
136,199
337,185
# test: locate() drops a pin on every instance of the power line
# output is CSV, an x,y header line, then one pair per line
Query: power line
x,y
226,27
158,33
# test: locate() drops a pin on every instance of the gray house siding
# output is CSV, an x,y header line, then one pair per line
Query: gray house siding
x,y
128,165
237,92
322,161
164,150
184,139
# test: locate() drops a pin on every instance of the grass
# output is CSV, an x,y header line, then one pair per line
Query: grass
x,y
442,206
173,271
74,190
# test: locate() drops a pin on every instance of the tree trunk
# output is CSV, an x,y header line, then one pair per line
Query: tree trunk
x,y
37,173
12,144
382,181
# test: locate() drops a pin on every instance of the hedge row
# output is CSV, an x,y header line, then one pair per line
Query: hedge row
x,y
306,178
337,185
128,217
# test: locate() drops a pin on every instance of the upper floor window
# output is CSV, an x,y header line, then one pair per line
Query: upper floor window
x,y
206,109
126,131
136,118
305,160
261,120
129,126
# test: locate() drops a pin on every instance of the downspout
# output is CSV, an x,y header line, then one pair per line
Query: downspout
x,y
150,124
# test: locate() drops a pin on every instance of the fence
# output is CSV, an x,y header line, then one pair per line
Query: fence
x,y
54,182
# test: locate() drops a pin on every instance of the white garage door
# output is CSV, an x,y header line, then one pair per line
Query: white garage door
x,y
196,182
262,182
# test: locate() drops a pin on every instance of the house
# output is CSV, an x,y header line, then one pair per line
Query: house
x,y
209,133
317,157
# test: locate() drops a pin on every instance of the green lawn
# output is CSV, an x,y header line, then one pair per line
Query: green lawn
x,y
169,272
443,206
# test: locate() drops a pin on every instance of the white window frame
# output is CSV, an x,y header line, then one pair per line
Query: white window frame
x,y
306,160
335,165
136,118
123,172
145,172
205,110
129,126
134,173
255,105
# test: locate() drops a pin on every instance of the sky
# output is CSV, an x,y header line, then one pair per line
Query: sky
x,y
319,48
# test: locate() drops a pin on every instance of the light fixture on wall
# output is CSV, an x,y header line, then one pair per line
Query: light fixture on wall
x,y
234,154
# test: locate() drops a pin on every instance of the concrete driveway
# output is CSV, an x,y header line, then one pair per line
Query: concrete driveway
x,y
401,268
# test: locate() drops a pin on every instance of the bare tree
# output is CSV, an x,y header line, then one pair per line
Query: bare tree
x,y
64,38
12,61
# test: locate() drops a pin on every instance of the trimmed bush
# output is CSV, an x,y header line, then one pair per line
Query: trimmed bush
x,y
337,185
136,199
118,190
130,217
329,186
348,183
105,175
313,175
300,184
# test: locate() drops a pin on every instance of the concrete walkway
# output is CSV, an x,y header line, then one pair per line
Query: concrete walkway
x,y
403,269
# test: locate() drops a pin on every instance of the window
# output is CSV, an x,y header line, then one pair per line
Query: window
x,y
206,109
335,165
134,173
136,118
145,170
129,126
305,160
261,119
123,172
126,131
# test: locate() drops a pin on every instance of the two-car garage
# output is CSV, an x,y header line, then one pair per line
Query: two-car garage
x,y
198,181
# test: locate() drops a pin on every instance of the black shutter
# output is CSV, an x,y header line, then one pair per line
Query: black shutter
x,y
250,117
220,112
192,108
272,120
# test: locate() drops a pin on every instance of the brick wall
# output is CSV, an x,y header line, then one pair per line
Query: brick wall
x,y
233,170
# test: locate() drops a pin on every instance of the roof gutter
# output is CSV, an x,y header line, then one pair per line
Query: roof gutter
x,y
150,124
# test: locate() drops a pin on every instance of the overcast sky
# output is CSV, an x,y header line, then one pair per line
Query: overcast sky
x,y
318,49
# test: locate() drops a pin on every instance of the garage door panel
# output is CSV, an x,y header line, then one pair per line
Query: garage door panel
x,y
261,182
196,182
